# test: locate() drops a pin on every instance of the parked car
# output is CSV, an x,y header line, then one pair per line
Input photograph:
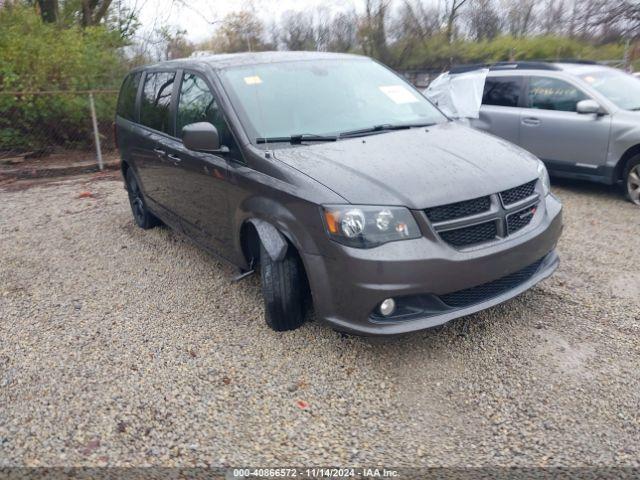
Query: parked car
x,y
582,119
340,183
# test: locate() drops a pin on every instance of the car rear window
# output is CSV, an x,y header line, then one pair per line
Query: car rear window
x,y
502,91
156,101
127,98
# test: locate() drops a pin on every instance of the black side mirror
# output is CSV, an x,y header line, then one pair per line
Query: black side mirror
x,y
202,137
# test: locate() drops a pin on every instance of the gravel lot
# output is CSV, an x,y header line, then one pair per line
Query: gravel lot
x,y
127,347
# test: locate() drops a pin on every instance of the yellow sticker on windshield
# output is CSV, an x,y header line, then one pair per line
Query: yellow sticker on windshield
x,y
398,94
255,80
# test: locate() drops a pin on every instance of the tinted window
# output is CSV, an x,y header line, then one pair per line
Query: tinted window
x,y
127,98
553,94
156,101
198,104
502,91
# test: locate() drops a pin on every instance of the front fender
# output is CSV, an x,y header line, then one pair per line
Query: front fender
x,y
274,243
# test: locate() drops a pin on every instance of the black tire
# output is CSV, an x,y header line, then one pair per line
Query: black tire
x,y
141,214
284,288
632,179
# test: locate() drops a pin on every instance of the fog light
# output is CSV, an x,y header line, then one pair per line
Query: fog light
x,y
387,307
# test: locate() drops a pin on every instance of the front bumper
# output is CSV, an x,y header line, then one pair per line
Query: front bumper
x,y
347,284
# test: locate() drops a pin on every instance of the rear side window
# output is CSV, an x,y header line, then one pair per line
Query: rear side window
x,y
502,91
198,104
127,98
155,111
553,94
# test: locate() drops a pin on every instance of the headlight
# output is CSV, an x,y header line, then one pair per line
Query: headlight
x,y
544,178
367,227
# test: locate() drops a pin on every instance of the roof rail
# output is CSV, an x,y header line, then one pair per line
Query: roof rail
x,y
572,60
517,65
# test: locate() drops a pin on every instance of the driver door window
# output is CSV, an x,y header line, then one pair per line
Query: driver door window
x,y
197,104
553,94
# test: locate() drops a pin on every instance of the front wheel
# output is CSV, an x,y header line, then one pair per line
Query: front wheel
x,y
284,290
632,179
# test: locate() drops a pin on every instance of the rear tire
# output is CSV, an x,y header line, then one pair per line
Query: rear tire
x,y
284,290
632,179
141,214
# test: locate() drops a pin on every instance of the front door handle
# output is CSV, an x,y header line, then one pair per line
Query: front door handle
x,y
159,152
531,121
174,158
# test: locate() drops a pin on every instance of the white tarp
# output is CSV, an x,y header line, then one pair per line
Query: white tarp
x,y
459,95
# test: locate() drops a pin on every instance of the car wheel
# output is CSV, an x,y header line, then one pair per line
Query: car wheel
x,y
142,216
632,179
284,290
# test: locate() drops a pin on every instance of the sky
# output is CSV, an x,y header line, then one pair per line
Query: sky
x,y
195,16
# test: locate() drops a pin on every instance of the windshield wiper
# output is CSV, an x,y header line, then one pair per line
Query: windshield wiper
x,y
298,139
386,127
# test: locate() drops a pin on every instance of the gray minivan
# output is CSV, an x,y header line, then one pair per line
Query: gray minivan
x,y
582,119
340,183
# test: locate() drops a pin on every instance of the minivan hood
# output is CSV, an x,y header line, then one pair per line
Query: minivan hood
x,y
417,168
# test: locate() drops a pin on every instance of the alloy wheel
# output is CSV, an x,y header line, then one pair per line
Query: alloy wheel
x,y
135,197
633,184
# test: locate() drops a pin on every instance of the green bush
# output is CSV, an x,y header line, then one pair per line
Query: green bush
x,y
438,53
37,57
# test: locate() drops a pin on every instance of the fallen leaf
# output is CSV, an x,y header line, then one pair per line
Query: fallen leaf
x,y
302,405
226,380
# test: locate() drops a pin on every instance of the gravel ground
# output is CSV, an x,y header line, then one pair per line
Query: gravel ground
x,y
127,347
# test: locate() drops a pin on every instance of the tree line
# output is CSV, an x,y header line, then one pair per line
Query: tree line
x,y
67,46
421,33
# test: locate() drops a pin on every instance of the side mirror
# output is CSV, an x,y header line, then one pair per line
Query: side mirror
x,y
586,107
202,137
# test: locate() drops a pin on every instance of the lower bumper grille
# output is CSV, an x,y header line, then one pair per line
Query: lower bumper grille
x,y
471,296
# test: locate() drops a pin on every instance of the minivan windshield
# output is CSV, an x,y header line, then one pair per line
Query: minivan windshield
x,y
323,97
619,87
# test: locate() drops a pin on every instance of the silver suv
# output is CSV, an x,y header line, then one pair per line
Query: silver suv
x,y
581,119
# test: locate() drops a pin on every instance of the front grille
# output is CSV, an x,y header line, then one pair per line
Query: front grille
x,y
463,237
459,209
496,212
471,296
516,194
519,220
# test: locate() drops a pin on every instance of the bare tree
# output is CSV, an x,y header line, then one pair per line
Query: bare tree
x,y
417,20
238,32
93,11
552,16
176,45
519,16
372,30
453,10
297,31
343,32
484,20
